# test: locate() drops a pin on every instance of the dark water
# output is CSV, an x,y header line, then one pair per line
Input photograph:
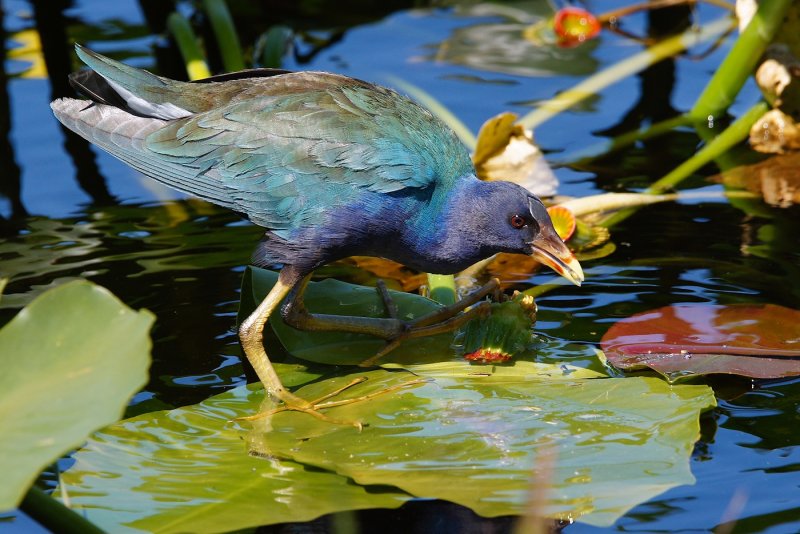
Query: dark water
x,y
71,212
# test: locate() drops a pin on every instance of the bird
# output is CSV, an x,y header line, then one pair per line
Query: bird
x,y
330,167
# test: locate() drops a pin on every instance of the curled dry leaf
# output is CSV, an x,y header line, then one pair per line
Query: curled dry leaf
x,y
759,341
778,79
775,133
506,151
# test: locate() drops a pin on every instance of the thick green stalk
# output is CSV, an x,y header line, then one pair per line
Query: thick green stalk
x,y
275,44
740,62
224,31
442,288
54,516
622,69
184,36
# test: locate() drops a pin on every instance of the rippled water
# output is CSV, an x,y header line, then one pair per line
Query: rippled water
x,y
183,259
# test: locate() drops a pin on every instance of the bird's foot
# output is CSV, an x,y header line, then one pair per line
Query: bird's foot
x,y
446,319
294,403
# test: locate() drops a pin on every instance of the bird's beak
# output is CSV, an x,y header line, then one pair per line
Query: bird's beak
x,y
549,249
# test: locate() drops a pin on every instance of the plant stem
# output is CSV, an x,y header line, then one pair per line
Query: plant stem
x,y
224,31
53,515
732,135
650,5
184,36
622,69
738,65
442,288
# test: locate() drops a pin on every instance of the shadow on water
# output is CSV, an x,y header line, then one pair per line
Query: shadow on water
x,y
56,48
11,174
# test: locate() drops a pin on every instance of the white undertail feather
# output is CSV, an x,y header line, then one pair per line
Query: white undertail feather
x,y
166,111
123,135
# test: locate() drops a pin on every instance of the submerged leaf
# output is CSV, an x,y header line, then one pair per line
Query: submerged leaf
x,y
71,360
686,340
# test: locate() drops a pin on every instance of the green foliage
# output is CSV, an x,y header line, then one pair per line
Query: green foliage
x,y
467,438
191,470
71,361
339,298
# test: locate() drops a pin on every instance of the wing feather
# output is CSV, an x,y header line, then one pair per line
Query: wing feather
x,y
283,159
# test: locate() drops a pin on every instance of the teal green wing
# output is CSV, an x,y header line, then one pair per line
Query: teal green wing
x,y
282,159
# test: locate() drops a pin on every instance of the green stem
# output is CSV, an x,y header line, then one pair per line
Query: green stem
x,y
731,136
442,288
624,140
53,515
622,69
184,36
224,31
738,65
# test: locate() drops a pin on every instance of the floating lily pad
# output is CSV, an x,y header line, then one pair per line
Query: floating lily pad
x,y
189,470
71,360
472,440
686,340
339,298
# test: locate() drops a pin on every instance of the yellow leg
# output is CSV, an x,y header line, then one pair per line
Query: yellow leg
x,y
251,334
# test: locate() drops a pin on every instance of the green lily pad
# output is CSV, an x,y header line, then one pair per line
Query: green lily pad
x,y
472,440
339,298
189,470
431,356
71,361
619,442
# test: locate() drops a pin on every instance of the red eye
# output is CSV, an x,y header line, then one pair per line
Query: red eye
x,y
518,221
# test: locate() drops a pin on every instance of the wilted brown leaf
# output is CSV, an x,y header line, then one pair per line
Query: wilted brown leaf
x,y
506,151
777,179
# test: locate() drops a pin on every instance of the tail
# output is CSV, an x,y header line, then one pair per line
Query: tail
x,y
129,104
136,90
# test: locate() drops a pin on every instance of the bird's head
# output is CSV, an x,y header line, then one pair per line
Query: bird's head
x,y
517,221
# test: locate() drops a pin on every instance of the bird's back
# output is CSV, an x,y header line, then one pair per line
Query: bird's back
x,y
281,149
